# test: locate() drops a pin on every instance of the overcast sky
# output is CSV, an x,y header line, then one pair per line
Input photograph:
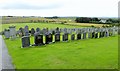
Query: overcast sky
x,y
84,8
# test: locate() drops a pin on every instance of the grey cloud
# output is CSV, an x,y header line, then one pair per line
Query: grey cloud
x,y
28,6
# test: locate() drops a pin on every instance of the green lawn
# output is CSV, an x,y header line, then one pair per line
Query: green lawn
x,y
35,25
79,54
99,53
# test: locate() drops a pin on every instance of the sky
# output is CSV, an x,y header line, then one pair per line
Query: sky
x,y
47,8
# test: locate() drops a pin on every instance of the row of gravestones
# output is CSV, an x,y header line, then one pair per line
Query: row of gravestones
x,y
81,33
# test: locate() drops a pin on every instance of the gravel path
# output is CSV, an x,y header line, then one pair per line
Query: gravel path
x,y
6,64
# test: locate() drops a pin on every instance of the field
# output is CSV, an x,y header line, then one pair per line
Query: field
x,y
87,24
99,53
35,25
49,25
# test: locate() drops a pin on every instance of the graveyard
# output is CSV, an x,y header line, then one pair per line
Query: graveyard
x,y
61,46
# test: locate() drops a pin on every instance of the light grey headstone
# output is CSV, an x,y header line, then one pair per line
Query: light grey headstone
x,y
7,33
12,32
26,31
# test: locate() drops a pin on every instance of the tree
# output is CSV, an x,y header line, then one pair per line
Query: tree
x,y
83,20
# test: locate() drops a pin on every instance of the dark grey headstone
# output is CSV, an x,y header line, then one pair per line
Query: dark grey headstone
x,y
38,30
73,37
49,38
32,31
57,37
21,31
78,36
25,41
96,34
84,35
65,37
38,39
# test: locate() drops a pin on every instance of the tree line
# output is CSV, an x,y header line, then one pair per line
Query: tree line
x,y
96,20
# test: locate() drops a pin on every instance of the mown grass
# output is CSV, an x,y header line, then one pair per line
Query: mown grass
x,y
79,54
40,25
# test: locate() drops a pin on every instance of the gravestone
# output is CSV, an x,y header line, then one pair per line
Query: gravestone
x,y
26,31
12,32
73,37
44,31
21,32
38,30
78,34
93,33
96,34
18,33
110,32
107,33
7,33
100,36
103,32
32,31
65,37
57,37
25,41
49,37
57,30
38,38
113,31
84,33
89,33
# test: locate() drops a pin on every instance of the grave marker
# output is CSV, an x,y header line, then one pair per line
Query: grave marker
x,y
7,33
25,41
12,32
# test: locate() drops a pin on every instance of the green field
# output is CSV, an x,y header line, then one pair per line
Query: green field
x,y
35,25
99,53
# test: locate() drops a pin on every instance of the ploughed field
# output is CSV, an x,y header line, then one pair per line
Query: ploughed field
x,y
101,53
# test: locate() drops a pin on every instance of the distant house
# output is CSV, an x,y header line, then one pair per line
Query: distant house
x,y
103,21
